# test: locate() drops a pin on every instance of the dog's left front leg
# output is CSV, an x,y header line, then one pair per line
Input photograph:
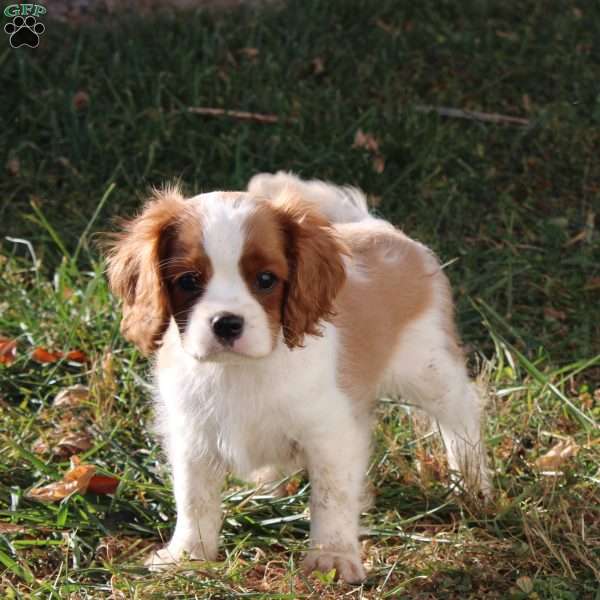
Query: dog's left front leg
x,y
337,462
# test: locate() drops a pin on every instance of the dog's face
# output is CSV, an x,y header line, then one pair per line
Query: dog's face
x,y
236,273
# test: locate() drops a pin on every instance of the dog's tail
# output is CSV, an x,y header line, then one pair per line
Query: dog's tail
x,y
339,204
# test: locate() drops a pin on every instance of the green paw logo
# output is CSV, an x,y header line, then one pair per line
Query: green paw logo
x,y
24,29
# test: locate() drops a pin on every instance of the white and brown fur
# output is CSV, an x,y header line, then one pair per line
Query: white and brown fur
x,y
358,310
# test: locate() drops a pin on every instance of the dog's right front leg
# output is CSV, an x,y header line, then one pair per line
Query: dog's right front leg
x,y
197,488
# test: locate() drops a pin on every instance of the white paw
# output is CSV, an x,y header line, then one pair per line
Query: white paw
x,y
166,557
347,566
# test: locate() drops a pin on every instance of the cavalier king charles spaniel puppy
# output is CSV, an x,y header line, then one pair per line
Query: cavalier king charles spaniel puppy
x,y
277,317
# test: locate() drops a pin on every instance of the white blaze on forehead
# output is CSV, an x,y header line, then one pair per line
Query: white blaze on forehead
x,y
224,216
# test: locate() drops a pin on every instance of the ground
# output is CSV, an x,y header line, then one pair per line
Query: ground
x,y
354,92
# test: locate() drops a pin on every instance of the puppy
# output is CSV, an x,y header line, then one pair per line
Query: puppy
x,y
278,315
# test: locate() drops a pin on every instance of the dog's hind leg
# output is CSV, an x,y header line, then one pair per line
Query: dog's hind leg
x,y
428,371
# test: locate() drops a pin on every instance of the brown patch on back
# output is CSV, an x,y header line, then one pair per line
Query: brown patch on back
x,y
392,286
264,250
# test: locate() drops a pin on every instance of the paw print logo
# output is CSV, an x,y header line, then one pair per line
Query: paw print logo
x,y
24,32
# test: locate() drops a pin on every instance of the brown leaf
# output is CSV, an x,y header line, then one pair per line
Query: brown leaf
x,y
387,27
429,465
250,53
103,484
553,313
40,446
557,455
77,356
586,400
71,396
72,443
378,164
318,65
525,584
369,143
11,528
43,356
13,166
76,479
110,547
593,283
366,141
81,100
508,35
8,351
291,487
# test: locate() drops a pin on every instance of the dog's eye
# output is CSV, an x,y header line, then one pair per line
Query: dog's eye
x,y
189,283
266,281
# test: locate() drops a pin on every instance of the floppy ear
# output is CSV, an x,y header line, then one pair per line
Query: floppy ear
x,y
317,272
134,268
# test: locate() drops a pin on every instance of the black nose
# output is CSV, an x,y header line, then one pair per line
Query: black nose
x,y
227,327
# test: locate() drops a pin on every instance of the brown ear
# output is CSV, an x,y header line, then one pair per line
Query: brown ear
x,y
134,268
317,272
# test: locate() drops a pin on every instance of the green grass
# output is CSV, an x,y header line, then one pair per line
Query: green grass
x,y
514,208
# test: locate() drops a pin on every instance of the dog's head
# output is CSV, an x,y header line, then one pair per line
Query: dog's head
x,y
236,273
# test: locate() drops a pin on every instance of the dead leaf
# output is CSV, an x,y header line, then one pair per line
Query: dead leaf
x,y
586,400
318,65
72,443
557,455
111,546
103,484
366,141
71,396
525,584
291,487
8,351
553,313
507,35
76,479
387,27
593,283
77,356
429,465
42,355
373,200
379,164
81,100
250,53
370,143
11,528
40,446
13,166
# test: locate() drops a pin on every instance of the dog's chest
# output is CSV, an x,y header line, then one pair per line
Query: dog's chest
x,y
249,420
252,439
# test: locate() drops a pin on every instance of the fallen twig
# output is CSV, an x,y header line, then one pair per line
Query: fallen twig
x,y
474,115
234,114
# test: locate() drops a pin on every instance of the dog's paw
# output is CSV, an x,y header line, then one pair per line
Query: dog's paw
x,y
163,559
347,566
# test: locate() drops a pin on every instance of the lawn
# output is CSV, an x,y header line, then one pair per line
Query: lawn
x,y
99,113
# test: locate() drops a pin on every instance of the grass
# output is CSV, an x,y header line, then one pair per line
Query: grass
x,y
514,209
